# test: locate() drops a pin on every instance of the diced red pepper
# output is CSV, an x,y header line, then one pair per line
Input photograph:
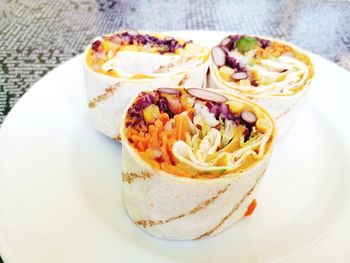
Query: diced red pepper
x,y
96,45
251,208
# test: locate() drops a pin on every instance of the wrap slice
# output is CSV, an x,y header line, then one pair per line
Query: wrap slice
x,y
119,66
268,71
192,160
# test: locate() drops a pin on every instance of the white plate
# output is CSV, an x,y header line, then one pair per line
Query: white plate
x,y
60,185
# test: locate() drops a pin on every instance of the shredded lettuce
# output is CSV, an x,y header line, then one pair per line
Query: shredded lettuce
x,y
227,133
205,129
188,139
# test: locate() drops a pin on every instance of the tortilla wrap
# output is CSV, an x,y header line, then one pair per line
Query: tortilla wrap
x,y
194,198
117,67
278,74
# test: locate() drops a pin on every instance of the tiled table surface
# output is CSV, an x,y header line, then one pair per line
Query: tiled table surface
x,y
38,35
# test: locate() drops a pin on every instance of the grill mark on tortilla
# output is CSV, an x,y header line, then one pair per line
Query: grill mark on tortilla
x,y
201,206
109,91
209,232
167,67
130,177
183,81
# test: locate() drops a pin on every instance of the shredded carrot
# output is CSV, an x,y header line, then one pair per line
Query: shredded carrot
x,y
153,131
178,126
171,156
140,146
185,128
164,117
165,155
190,113
148,157
251,208
154,143
173,169
164,137
134,132
181,126
159,125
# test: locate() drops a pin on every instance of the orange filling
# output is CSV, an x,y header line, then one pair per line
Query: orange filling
x,y
153,133
155,143
106,48
251,208
276,49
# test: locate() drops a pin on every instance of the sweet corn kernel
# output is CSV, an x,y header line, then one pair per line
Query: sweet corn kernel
x,y
181,42
129,48
154,50
151,112
191,48
262,125
159,36
258,113
236,106
244,82
107,45
281,77
226,73
178,51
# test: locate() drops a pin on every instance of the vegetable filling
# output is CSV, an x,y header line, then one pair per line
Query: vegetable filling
x,y
196,132
106,49
259,65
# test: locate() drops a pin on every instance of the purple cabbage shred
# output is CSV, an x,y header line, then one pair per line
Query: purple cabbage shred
x,y
163,105
264,43
222,110
95,45
169,44
137,110
144,101
234,64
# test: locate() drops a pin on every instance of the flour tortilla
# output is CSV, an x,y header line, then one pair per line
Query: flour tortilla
x,y
284,107
108,96
168,206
